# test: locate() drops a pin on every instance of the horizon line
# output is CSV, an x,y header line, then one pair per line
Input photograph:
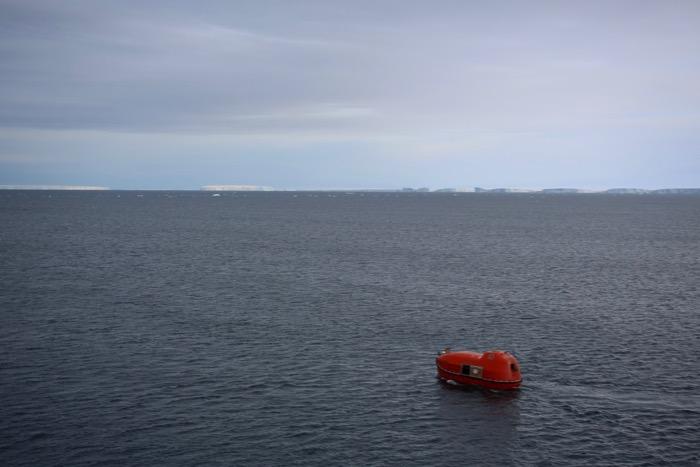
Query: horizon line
x,y
422,190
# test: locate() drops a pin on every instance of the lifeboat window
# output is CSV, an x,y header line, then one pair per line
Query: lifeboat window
x,y
466,369
513,367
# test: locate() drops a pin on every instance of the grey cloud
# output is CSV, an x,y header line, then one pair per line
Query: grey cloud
x,y
128,73
309,66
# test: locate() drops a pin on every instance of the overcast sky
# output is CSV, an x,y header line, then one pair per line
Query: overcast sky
x,y
351,94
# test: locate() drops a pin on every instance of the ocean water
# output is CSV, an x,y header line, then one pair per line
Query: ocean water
x,y
177,328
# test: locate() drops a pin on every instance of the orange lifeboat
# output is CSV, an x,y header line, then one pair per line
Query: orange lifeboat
x,y
495,369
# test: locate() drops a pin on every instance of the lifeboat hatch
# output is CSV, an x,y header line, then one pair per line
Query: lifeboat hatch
x,y
472,370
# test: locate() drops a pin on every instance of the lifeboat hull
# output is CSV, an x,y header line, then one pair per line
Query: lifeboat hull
x,y
495,369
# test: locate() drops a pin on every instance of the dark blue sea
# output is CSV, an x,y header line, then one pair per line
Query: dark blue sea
x,y
177,328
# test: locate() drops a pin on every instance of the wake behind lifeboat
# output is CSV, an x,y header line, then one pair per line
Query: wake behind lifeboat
x,y
495,369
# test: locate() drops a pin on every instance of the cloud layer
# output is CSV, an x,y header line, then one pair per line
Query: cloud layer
x,y
475,86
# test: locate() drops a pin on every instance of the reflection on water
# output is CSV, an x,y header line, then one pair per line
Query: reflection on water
x,y
477,420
